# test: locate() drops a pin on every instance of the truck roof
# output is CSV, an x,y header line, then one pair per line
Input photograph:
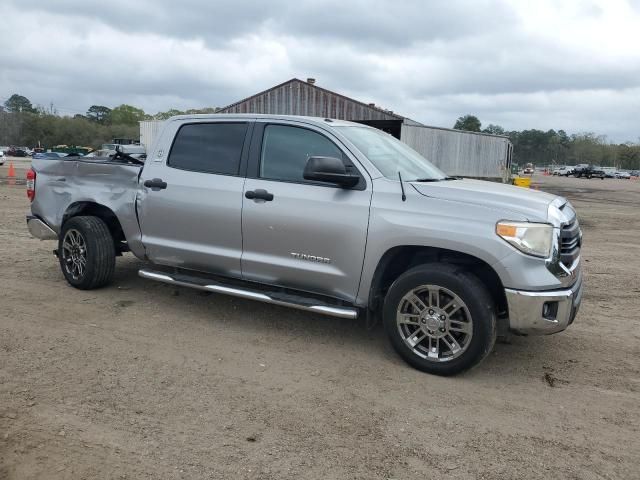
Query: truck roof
x,y
248,116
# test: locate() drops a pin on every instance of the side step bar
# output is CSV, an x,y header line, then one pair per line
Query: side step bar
x,y
308,304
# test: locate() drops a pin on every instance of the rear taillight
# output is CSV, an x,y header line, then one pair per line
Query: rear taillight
x,y
31,184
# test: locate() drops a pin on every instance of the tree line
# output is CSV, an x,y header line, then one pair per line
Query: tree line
x,y
556,147
23,124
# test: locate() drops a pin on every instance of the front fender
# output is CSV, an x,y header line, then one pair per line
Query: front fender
x,y
422,221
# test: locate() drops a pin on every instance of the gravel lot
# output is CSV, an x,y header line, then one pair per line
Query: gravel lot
x,y
145,380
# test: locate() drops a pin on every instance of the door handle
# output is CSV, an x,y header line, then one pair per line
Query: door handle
x,y
155,184
259,194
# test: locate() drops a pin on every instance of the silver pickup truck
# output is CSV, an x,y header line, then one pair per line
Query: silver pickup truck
x,y
326,216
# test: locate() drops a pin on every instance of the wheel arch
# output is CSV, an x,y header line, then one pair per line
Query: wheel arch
x,y
107,215
399,259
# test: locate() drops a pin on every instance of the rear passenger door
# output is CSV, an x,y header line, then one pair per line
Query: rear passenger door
x,y
194,221
304,235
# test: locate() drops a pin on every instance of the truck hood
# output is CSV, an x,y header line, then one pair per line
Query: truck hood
x,y
532,204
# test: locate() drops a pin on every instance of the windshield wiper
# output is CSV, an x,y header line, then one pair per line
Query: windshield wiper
x,y
435,179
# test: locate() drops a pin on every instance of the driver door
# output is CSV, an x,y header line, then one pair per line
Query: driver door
x,y
298,233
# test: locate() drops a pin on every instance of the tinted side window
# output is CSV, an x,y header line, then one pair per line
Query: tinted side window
x,y
285,151
209,147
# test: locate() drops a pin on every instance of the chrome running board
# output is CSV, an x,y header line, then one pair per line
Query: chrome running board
x,y
307,304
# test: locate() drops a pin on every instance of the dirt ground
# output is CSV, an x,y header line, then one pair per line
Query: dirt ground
x,y
145,380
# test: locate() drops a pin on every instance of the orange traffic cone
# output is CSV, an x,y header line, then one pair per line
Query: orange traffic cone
x,y
12,170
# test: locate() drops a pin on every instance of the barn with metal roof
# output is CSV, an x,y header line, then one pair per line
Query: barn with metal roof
x,y
297,97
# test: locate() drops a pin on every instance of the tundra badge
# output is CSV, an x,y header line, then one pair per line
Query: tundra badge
x,y
311,258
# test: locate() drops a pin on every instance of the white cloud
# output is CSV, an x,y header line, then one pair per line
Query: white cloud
x,y
548,64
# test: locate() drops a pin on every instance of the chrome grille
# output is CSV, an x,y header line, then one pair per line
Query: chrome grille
x,y
570,243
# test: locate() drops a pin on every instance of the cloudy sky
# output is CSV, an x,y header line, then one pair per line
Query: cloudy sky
x,y
571,64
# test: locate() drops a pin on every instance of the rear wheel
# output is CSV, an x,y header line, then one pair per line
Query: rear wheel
x,y
86,252
440,319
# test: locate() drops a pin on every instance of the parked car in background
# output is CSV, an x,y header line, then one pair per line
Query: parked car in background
x,y
623,174
579,168
609,172
528,169
17,152
1,157
635,173
597,172
588,171
563,171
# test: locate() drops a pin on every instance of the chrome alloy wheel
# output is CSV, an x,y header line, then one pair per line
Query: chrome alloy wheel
x,y
74,254
434,323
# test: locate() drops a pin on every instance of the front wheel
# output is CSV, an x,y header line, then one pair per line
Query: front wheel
x,y
86,252
440,318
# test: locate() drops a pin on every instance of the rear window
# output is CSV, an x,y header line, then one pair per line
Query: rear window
x,y
209,147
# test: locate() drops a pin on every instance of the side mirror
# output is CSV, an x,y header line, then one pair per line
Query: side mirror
x,y
329,169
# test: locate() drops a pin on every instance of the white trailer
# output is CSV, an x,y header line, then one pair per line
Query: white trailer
x,y
460,153
149,131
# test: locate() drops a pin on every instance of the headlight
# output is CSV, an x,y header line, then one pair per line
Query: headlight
x,y
530,238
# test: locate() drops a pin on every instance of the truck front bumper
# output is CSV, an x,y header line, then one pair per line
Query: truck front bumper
x,y
543,313
39,229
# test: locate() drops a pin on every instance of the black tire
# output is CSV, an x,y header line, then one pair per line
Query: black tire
x,y
99,252
473,294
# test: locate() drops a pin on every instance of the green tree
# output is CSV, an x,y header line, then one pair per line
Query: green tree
x,y
590,148
494,129
174,111
51,130
470,123
99,114
127,115
629,156
202,110
168,114
18,103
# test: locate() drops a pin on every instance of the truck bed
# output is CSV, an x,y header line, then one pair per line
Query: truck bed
x,y
68,183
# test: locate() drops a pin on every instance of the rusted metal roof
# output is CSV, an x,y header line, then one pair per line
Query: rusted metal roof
x,y
297,97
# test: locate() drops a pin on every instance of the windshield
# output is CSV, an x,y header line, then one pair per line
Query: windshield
x,y
390,155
